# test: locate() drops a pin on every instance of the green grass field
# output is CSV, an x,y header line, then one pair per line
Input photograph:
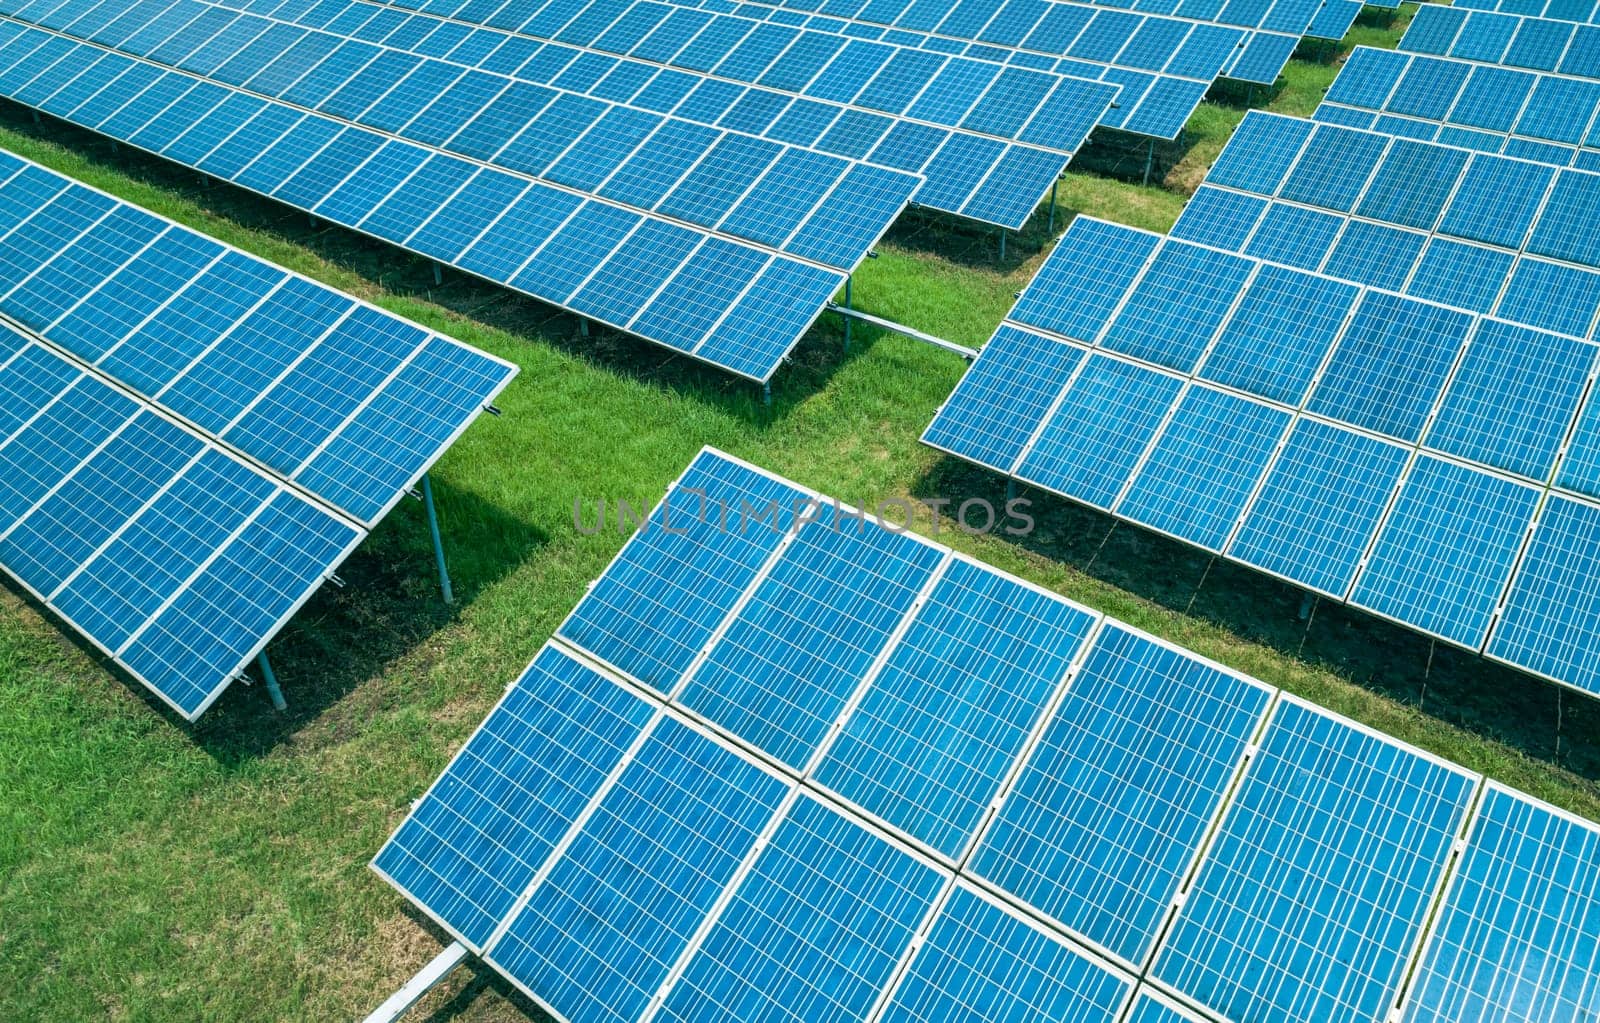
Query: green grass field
x,y
152,871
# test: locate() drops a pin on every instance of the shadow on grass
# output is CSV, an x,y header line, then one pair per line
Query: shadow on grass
x,y
484,978
389,606
1455,687
405,274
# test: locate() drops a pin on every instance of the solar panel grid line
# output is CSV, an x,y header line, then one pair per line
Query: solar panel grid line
x,y
798,795
551,39
549,183
1284,702
725,314
560,852
876,667
962,883
959,861
66,243
1152,1004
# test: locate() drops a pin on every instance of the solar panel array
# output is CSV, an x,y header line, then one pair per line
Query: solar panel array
x,y
1371,447
1580,11
192,440
785,763
1163,65
989,143
1489,108
712,293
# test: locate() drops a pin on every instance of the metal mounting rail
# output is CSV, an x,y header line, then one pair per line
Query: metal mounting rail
x,y
899,328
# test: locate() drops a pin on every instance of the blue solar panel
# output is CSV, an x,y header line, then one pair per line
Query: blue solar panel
x,y
1375,254
770,679
1092,442
1260,152
1080,285
1496,201
1280,333
1462,275
660,846
1319,506
1513,398
183,572
1552,610
994,410
1318,884
1333,169
1219,218
1552,296
1196,478
1296,236
1519,923
1107,817
1390,365
1172,313
980,961
821,884
480,834
647,621
937,730
1445,552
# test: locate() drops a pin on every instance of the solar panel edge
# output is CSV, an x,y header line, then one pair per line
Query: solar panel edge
x,y
553,649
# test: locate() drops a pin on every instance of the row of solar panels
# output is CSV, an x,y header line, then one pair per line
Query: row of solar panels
x,y
1143,51
720,300
192,440
787,763
1373,448
649,163
1492,109
1561,10
1481,232
989,148
1163,66
1534,43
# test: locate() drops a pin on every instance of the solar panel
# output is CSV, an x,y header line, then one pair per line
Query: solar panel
x,y
1315,890
1143,813
981,960
197,439
1525,888
1114,801
1034,120
730,302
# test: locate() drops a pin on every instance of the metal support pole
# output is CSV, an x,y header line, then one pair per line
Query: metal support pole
x,y
847,282
766,394
438,274
1250,96
426,980
1051,227
1002,245
1305,605
438,544
1011,490
583,327
271,681
1149,160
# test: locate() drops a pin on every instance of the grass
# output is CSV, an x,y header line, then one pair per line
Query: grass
x,y
151,871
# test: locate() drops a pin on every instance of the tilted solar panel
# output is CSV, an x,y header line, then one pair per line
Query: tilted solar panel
x,y
989,151
1275,416
724,300
620,857
197,439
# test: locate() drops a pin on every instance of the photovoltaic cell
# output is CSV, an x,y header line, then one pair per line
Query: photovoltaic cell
x,y
1553,605
483,830
1525,889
